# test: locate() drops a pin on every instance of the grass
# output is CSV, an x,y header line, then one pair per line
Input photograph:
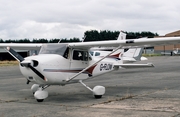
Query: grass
x,y
151,55
8,63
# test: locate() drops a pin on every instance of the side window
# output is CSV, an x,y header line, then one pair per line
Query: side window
x,y
97,54
85,58
91,52
80,55
66,53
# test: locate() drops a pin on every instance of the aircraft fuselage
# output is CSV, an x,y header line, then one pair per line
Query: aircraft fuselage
x,y
56,69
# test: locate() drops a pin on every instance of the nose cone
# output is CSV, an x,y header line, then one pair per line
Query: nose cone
x,y
44,68
29,67
27,63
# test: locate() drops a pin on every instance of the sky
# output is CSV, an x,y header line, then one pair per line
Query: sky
x,y
49,19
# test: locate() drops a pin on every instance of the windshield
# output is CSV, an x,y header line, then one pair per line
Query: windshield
x,y
58,48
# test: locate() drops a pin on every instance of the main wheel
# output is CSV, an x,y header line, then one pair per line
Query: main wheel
x,y
40,100
98,96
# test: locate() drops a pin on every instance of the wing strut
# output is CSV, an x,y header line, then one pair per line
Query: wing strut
x,y
71,78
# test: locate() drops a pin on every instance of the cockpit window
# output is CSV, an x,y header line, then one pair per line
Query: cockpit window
x,y
80,55
66,53
91,53
60,49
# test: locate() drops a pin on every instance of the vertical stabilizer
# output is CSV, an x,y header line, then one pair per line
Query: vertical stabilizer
x,y
122,36
135,53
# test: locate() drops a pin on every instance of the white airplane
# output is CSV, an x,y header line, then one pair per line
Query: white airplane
x,y
66,63
128,55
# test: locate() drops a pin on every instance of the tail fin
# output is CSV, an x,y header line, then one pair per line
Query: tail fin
x,y
135,53
122,36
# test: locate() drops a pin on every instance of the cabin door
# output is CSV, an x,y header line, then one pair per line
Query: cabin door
x,y
79,60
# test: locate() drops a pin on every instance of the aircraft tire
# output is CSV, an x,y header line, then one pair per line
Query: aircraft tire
x,y
40,100
98,96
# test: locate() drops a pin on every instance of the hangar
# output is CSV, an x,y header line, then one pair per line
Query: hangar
x,y
24,53
168,48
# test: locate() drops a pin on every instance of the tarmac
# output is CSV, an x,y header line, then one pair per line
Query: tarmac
x,y
142,92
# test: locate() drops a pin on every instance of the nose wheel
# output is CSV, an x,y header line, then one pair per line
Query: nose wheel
x,y
39,93
98,96
40,100
34,88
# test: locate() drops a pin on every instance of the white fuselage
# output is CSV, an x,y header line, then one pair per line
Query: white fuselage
x,y
58,69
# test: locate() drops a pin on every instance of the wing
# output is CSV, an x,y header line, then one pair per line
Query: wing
x,y
148,42
21,46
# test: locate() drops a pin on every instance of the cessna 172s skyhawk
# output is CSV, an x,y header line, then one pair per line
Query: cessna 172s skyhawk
x,y
66,63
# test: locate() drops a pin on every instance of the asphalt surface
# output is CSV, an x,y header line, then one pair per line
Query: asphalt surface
x,y
129,92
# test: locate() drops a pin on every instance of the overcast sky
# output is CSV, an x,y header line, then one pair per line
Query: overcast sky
x,y
49,19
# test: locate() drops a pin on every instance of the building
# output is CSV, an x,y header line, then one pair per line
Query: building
x,y
4,55
168,48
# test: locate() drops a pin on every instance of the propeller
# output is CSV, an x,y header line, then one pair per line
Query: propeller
x,y
24,63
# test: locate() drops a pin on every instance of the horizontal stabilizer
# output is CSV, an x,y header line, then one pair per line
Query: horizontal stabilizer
x,y
128,66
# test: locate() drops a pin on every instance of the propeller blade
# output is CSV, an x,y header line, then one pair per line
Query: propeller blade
x,y
15,54
21,59
36,71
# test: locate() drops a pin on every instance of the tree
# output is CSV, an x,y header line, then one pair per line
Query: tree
x,y
134,35
54,40
40,41
94,35
23,41
1,41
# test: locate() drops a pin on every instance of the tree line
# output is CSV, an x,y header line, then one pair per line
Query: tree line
x,y
92,35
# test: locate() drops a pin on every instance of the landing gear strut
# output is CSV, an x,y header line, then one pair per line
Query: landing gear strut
x,y
98,91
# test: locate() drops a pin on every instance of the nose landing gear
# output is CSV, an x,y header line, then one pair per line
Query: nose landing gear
x,y
39,93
